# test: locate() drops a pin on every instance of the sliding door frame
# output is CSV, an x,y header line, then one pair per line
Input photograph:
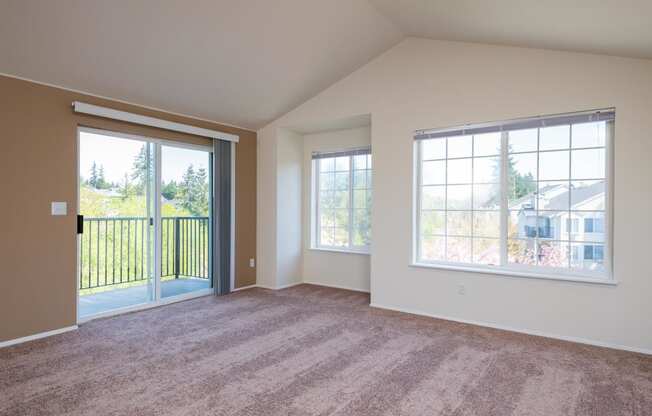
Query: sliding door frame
x,y
156,278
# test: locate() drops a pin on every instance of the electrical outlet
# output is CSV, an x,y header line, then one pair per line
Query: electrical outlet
x,y
252,263
461,290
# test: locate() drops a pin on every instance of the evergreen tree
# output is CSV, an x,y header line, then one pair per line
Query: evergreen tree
x,y
201,183
101,180
139,171
188,190
126,190
522,185
170,190
92,181
519,185
193,191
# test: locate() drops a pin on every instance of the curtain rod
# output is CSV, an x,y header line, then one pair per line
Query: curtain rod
x,y
520,123
111,113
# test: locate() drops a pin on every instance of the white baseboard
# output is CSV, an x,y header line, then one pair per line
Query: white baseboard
x,y
279,287
237,289
303,283
519,330
40,335
337,287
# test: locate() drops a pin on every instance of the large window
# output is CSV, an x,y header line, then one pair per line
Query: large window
x,y
526,195
342,200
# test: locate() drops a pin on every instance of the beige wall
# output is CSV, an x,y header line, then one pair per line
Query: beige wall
x,y
427,84
289,155
38,160
331,268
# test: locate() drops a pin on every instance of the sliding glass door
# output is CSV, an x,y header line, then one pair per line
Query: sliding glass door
x,y
145,222
185,220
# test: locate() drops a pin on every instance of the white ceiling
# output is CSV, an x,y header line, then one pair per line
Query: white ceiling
x,y
614,27
242,62
246,62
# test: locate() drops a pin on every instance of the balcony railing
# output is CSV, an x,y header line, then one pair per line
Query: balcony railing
x,y
115,250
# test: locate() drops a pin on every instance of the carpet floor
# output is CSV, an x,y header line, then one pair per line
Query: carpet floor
x,y
310,350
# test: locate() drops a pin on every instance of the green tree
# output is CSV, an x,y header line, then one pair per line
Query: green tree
x,y
127,189
188,191
519,185
92,181
193,191
201,184
101,182
170,190
140,169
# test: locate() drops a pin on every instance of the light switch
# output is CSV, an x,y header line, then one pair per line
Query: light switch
x,y
59,208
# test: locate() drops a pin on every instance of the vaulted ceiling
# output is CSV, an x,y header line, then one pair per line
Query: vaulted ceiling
x,y
613,27
242,62
246,62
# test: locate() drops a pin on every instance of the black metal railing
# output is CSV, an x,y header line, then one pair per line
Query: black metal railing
x,y
116,250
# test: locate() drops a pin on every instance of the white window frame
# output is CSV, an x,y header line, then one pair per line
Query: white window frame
x,y
315,237
518,270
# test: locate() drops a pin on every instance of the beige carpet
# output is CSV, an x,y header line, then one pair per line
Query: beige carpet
x,y
312,351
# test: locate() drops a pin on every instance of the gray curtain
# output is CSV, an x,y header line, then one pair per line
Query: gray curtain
x,y
221,210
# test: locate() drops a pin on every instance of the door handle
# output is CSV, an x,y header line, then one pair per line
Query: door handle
x,y
80,224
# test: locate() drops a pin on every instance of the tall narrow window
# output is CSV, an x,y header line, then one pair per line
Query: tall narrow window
x,y
342,200
526,195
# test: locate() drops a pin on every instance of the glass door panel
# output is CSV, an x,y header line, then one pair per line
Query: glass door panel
x,y
116,188
185,225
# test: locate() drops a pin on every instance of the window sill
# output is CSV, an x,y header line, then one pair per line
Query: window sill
x,y
337,250
516,273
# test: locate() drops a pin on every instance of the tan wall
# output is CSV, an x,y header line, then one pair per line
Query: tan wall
x,y
38,165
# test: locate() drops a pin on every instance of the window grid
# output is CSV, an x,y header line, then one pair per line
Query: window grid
x,y
332,192
472,237
568,242
355,209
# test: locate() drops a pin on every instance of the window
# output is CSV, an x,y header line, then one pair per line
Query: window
x,y
572,225
598,253
598,225
342,200
512,195
593,225
595,253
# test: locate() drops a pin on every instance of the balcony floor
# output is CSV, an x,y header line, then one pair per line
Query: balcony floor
x,y
96,303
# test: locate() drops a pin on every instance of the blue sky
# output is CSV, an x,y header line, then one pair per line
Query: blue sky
x,y
116,155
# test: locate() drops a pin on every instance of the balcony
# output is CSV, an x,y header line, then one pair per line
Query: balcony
x,y
114,264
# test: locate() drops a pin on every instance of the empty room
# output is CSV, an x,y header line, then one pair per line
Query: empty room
x,y
325,207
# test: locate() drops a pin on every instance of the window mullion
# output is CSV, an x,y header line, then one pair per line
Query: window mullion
x,y
608,216
570,198
350,202
472,194
536,198
317,169
416,225
446,203
504,196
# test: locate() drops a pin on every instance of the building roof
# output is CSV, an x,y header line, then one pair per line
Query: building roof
x,y
558,194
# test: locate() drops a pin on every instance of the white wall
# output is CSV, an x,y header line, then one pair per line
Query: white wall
x,y
425,84
346,270
289,156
